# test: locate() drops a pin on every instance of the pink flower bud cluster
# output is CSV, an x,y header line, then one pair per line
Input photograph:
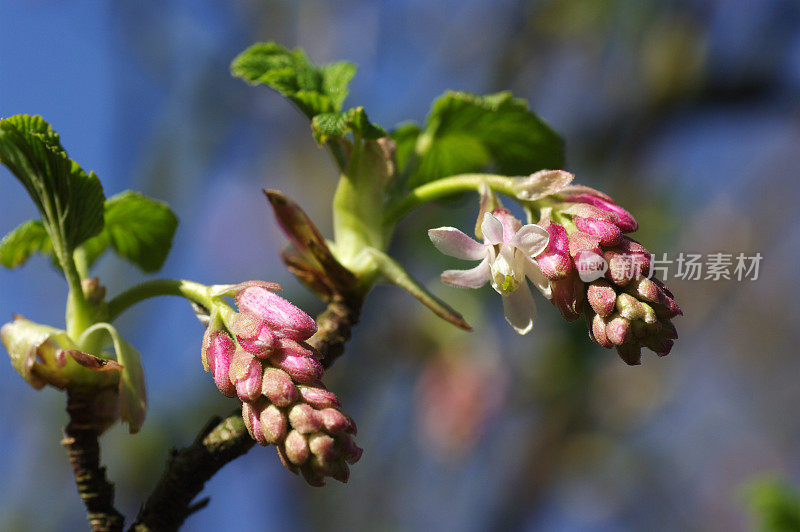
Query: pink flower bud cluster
x,y
623,308
266,362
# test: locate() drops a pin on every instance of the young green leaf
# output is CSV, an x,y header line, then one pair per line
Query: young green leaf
x,y
329,126
470,133
69,200
138,228
21,243
314,89
132,391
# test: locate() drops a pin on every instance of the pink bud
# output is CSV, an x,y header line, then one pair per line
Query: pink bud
x,y
624,266
319,397
296,447
323,447
625,221
555,261
218,351
599,332
253,334
335,421
633,255
298,349
618,330
250,413
608,233
273,424
305,419
580,241
278,387
568,296
245,372
302,369
285,319
646,290
601,296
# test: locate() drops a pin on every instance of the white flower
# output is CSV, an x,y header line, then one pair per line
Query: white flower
x,y
507,258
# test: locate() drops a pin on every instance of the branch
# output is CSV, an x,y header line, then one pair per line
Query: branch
x,y
188,469
83,451
222,441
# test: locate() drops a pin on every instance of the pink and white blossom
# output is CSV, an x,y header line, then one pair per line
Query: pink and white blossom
x,y
507,261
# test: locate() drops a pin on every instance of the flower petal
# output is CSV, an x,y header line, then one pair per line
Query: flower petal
x,y
474,278
455,243
531,239
539,280
520,309
492,229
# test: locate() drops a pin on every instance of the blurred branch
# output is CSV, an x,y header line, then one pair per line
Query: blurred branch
x,y
83,451
222,441
187,471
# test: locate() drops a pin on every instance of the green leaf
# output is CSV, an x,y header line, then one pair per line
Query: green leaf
x,y
396,274
774,503
21,243
314,89
132,392
138,228
470,133
69,200
330,126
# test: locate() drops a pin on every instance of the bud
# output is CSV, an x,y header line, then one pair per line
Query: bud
x,y
618,329
218,350
277,386
580,241
568,296
282,317
318,396
599,332
250,415
245,373
93,291
305,419
253,334
624,220
323,447
601,297
608,233
334,421
296,448
302,369
273,424
555,261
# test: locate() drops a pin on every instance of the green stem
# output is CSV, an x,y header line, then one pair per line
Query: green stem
x,y
81,262
196,292
446,187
